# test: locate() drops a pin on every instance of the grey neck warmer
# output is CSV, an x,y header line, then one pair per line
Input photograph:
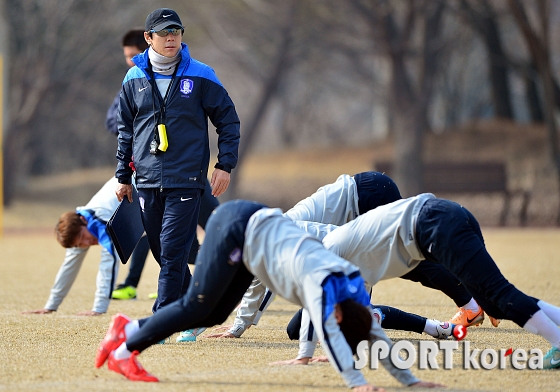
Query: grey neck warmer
x,y
161,64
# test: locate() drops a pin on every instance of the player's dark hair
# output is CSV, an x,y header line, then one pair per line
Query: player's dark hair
x,y
135,37
68,228
355,324
375,189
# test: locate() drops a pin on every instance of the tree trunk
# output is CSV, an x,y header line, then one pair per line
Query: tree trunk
x,y
532,94
498,72
280,67
408,151
484,23
17,161
541,56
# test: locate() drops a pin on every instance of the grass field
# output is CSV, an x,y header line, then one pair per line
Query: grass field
x,y
56,352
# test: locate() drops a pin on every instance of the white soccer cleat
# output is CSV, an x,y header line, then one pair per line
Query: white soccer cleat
x,y
377,315
444,330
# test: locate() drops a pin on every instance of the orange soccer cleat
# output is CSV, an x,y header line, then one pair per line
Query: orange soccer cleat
x,y
114,337
468,318
130,368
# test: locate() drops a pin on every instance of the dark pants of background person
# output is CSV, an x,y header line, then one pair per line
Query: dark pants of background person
x,y
170,219
207,204
450,235
393,319
137,261
436,276
375,189
219,282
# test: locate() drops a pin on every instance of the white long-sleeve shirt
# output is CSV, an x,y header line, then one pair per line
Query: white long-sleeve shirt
x,y
103,204
294,265
381,242
335,203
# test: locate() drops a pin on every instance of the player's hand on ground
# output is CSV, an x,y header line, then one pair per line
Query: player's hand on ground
x,y
367,388
301,361
38,311
320,358
89,313
427,384
222,328
226,334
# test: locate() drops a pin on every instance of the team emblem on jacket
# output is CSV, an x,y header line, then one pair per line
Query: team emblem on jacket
x,y
234,256
186,86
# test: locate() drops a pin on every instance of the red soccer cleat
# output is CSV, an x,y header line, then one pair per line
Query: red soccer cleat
x,y
130,368
113,339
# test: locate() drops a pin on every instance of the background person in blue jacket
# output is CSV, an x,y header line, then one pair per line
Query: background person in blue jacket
x,y
165,103
133,43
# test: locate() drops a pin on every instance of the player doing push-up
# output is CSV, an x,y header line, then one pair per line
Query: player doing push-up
x,y
246,240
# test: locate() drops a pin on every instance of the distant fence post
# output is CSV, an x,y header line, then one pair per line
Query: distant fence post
x,y
1,143
3,93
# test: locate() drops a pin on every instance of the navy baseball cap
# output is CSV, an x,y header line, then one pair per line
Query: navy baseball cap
x,y
161,19
375,189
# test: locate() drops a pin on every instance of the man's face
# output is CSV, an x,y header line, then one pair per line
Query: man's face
x,y
167,46
129,52
85,239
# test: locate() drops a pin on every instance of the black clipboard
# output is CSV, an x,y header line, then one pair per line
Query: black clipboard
x,y
125,226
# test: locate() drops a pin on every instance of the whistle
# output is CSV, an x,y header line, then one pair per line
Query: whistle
x,y
162,133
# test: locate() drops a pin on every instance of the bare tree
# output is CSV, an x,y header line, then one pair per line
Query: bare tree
x,y
538,44
413,64
271,57
50,63
482,17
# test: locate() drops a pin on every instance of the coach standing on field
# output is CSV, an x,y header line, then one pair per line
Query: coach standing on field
x,y
165,103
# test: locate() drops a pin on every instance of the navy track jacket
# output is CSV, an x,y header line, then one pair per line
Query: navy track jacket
x,y
196,95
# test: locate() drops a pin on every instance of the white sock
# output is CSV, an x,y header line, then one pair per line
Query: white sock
x,y
553,312
122,352
131,328
430,327
471,305
541,325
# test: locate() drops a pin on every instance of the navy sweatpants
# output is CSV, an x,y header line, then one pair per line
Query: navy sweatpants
x,y
137,262
449,234
219,282
437,277
138,259
170,219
